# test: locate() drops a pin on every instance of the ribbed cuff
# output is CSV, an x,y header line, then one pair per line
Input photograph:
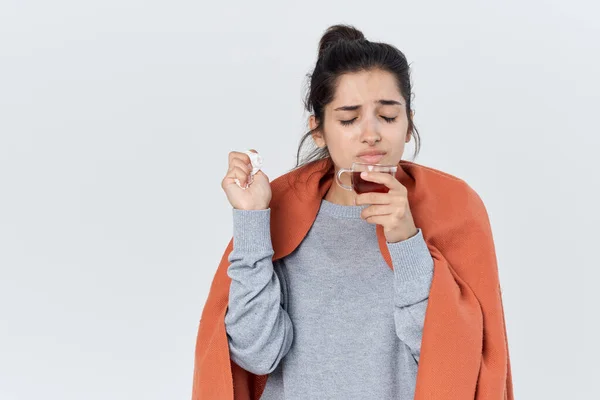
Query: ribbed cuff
x,y
411,257
252,229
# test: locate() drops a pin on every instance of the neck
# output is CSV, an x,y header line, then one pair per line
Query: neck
x,y
340,196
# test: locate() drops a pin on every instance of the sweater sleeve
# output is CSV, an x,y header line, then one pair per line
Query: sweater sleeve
x,y
259,329
413,274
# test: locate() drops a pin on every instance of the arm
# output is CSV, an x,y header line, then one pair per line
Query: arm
x,y
259,330
413,273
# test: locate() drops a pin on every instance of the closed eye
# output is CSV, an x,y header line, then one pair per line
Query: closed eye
x,y
351,121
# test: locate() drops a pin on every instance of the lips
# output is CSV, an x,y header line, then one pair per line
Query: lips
x,y
372,157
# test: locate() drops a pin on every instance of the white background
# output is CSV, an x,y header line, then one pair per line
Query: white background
x,y
116,118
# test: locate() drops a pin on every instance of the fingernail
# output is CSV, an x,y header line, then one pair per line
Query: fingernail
x,y
363,174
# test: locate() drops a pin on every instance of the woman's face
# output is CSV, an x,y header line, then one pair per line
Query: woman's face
x,y
368,113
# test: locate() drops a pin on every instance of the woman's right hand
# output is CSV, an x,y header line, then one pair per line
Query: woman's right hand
x,y
257,196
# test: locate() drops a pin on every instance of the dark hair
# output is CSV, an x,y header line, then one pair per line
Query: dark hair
x,y
344,49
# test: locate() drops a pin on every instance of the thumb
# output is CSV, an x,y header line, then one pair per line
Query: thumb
x,y
261,173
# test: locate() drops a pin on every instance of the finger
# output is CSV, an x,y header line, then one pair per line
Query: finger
x,y
375,210
374,198
237,173
236,162
239,155
378,219
381,177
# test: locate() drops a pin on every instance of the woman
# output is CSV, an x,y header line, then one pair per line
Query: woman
x,y
329,316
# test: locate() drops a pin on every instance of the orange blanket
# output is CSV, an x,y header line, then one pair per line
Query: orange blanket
x,y
464,350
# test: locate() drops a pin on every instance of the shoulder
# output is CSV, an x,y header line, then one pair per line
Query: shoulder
x,y
442,187
431,174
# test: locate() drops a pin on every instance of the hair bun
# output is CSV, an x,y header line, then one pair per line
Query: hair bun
x,y
337,33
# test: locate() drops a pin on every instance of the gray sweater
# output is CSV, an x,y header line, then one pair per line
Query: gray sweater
x,y
331,320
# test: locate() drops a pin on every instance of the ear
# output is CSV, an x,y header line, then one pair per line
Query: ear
x,y
317,135
409,133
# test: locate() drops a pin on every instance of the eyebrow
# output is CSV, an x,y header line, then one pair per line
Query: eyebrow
x,y
356,107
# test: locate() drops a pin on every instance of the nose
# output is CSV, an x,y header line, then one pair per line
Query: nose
x,y
370,132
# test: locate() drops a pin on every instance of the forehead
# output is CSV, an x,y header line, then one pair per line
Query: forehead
x,y
365,86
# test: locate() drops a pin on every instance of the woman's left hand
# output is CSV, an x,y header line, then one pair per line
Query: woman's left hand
x,y
390,210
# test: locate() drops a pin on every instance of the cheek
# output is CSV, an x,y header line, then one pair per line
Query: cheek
x,y
395,136
396,141
340,137
341,147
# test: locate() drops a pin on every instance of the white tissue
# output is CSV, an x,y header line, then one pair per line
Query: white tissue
x,y
256,161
